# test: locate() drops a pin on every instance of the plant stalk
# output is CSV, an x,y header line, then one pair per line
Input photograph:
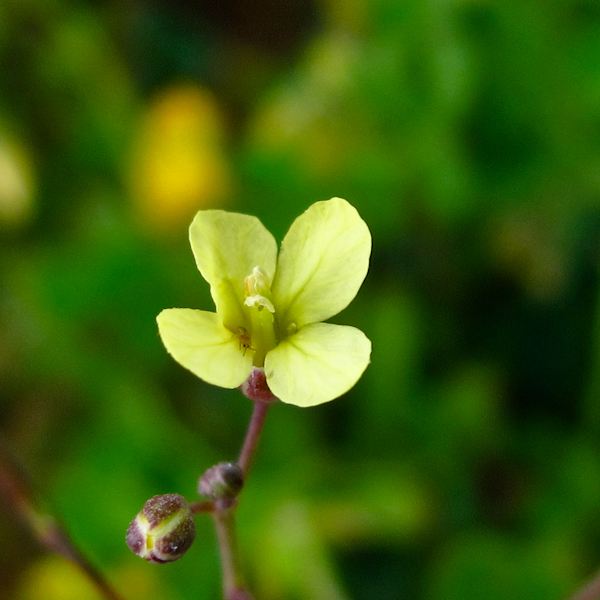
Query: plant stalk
x,y
255,428
234,586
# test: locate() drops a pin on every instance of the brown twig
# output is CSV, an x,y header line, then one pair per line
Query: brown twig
x,y
590,590
46,529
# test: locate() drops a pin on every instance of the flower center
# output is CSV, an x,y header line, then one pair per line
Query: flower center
x,y
257,289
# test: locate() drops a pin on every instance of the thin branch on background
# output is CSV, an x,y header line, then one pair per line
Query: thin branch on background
x,y
45,528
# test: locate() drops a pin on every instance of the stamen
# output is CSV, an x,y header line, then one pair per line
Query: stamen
x,y
256,287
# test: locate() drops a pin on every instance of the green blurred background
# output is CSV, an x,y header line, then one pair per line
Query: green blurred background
x,y
466,462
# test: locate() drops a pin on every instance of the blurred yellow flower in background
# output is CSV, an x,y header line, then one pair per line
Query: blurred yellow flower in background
x,y
179,162
17,184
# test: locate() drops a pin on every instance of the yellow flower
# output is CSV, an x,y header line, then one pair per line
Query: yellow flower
x,y
178,163
270,307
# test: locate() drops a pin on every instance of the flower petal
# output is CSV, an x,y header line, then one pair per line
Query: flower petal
x,y
227,246
317,364
197,340
323,261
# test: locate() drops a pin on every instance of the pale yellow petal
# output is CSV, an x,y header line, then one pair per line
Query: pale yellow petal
x,y
227,246
317,364
323,261
197,340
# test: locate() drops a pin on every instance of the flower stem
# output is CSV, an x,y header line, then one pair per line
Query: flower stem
x,y
233,581
223,513
252,436
590,591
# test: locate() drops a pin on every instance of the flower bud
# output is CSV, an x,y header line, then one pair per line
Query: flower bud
x,y
256,388
222,482
163,530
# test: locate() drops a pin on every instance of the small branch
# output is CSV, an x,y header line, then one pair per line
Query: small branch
x,y
44,527
202,506
252,436
590,591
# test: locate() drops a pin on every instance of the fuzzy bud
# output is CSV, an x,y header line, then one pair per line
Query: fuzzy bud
x,y
222,482
163,530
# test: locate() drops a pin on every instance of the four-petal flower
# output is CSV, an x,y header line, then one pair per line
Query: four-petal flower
x,y
270,307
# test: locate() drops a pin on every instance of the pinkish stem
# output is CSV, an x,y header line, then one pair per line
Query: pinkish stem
x,y
252,436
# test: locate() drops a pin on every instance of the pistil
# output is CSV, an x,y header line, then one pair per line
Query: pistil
x,y
257,287
263,334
